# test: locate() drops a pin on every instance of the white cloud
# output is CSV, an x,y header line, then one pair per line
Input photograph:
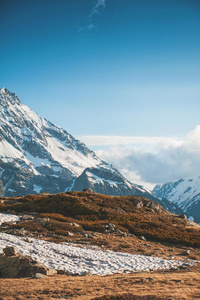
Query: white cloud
x,y
114,140
150,160
98,5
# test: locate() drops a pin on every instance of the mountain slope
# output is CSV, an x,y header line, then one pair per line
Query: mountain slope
x,y
37,156
184,192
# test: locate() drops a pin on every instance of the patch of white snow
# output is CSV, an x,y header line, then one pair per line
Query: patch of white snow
x,y
77,260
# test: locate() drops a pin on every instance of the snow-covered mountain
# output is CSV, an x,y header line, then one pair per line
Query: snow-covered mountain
x,y
184,192
37,156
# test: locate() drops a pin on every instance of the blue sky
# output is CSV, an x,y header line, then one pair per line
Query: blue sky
x,y
135,72
105,67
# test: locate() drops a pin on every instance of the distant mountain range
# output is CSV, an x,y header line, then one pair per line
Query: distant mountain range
x,y
185,193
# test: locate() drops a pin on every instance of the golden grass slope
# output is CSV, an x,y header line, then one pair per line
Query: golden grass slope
x,y
132,214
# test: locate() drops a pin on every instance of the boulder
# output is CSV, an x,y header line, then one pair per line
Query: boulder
x,y
19,266
141,237
183,216
187,252
138,203
10,251
155,206
74,224
89,190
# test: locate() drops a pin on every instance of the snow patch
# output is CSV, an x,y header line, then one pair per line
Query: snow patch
x,y
7,150
37,188
8,218
77,260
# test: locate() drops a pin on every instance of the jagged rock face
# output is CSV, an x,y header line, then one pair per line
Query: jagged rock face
x,y
110,182
37,156
106,181
185,193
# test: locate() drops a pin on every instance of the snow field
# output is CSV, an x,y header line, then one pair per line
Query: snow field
x,y
78,260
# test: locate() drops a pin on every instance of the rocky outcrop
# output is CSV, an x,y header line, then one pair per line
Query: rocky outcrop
x,y
13,265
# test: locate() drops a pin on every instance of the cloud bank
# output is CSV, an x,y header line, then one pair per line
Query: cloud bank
x,y
150,160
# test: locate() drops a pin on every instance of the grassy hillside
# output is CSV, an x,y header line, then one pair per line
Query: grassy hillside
x,y
94,212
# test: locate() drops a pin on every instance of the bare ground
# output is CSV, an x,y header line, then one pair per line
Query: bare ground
x,y
166,285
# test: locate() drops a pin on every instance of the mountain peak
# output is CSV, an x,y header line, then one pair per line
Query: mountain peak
x,y
7,97
4,90
37,156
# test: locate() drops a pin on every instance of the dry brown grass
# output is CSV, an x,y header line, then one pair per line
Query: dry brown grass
x,y
176,285
92,210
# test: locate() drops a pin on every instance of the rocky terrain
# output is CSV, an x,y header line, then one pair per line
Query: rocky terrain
x,y
72,232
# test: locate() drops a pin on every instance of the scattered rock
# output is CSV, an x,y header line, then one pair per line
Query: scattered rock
x,y
183,216
70,233
28,240
88,190
26,217
183,267
22,232
148,245
86,273
187,252
75,224
39,275
109,227
141,237
178,280
149,279
63,272
121,233
138,203
43,221
90,236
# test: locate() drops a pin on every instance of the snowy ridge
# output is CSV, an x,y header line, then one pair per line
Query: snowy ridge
x,y
24,126
184,192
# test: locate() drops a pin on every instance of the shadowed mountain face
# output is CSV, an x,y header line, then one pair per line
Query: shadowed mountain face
x,y
185,193
37,156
